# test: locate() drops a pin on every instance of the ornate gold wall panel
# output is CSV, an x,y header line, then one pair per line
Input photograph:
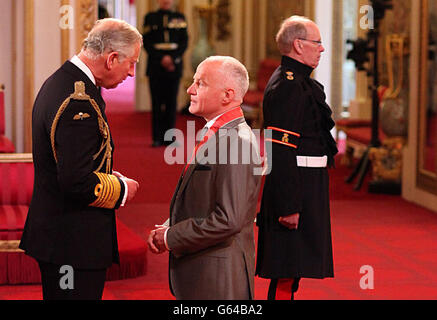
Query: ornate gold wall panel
x,y
418,186
427,145
85,17
65,38
279,10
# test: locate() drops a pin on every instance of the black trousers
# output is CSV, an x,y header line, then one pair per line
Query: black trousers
x,y
66,283
164,92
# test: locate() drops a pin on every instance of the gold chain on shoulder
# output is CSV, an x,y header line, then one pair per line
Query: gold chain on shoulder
x,y
79,94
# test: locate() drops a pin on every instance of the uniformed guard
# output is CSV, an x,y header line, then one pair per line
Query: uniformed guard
x,y
71,219
165,39
294,221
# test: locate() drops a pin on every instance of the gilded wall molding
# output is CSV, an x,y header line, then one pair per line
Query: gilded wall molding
x,y
10,246
85,17
337,59
29,71
14,72
279,10
15,157
411,189
65,38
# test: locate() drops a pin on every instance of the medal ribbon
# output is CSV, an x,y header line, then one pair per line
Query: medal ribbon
x,y
221,121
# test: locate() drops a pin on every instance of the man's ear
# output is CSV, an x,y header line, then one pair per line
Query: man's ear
x,y
110,60
297,46
229,95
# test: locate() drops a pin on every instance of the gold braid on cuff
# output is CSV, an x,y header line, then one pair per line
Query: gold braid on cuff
x,y
107,191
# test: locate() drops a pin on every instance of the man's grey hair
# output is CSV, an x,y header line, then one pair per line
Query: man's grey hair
x,y
291,29
111,35
234,72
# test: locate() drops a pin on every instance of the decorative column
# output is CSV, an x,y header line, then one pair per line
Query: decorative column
x,y
337,59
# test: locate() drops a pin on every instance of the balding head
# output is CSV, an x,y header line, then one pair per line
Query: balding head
x,y
234,74
292,28
219,85
299,38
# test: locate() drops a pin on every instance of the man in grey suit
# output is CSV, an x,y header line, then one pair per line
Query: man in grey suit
x,y
210,235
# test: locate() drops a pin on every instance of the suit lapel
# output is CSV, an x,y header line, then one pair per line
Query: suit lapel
x,y
173,199
186,178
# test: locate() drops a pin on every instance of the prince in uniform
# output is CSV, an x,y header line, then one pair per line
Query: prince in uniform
x,y
165,39
71,219
294,222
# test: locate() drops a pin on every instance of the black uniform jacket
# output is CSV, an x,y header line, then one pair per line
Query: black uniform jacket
x,y
164,33
71,219
295,110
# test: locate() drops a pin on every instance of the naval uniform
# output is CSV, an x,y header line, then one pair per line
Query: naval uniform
x,y
300,121
164,33
71,218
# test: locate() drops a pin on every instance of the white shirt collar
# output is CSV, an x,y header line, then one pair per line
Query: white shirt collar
x,y
82,66
211,122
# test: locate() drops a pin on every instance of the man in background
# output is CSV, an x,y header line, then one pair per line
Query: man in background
x,y
165,40
294,222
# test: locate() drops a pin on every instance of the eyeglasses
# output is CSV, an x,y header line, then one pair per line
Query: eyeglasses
x,y
319,43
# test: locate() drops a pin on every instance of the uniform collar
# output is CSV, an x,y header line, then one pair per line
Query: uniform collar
x,y
165,11
78,75
82,66
296,66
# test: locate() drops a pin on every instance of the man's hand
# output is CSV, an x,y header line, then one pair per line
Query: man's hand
x,y
132,188
132,185
167,63
291,221
156,240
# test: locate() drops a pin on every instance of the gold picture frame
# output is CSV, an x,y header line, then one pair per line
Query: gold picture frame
x,y
426,175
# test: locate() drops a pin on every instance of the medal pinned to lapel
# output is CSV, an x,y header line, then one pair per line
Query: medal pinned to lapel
x,y
81,116
290,75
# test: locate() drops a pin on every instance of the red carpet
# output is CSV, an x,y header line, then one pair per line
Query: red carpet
x,y
396,238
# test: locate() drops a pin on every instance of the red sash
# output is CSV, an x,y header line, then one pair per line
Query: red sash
x,y
221,121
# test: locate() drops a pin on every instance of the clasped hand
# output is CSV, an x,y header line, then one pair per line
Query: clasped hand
x,y
132,185
167,63
291,221
156,240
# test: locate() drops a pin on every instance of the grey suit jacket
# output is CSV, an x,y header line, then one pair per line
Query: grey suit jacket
x,y
211,237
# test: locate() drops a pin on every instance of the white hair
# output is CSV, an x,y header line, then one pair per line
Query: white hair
x,y
234,72
109,35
